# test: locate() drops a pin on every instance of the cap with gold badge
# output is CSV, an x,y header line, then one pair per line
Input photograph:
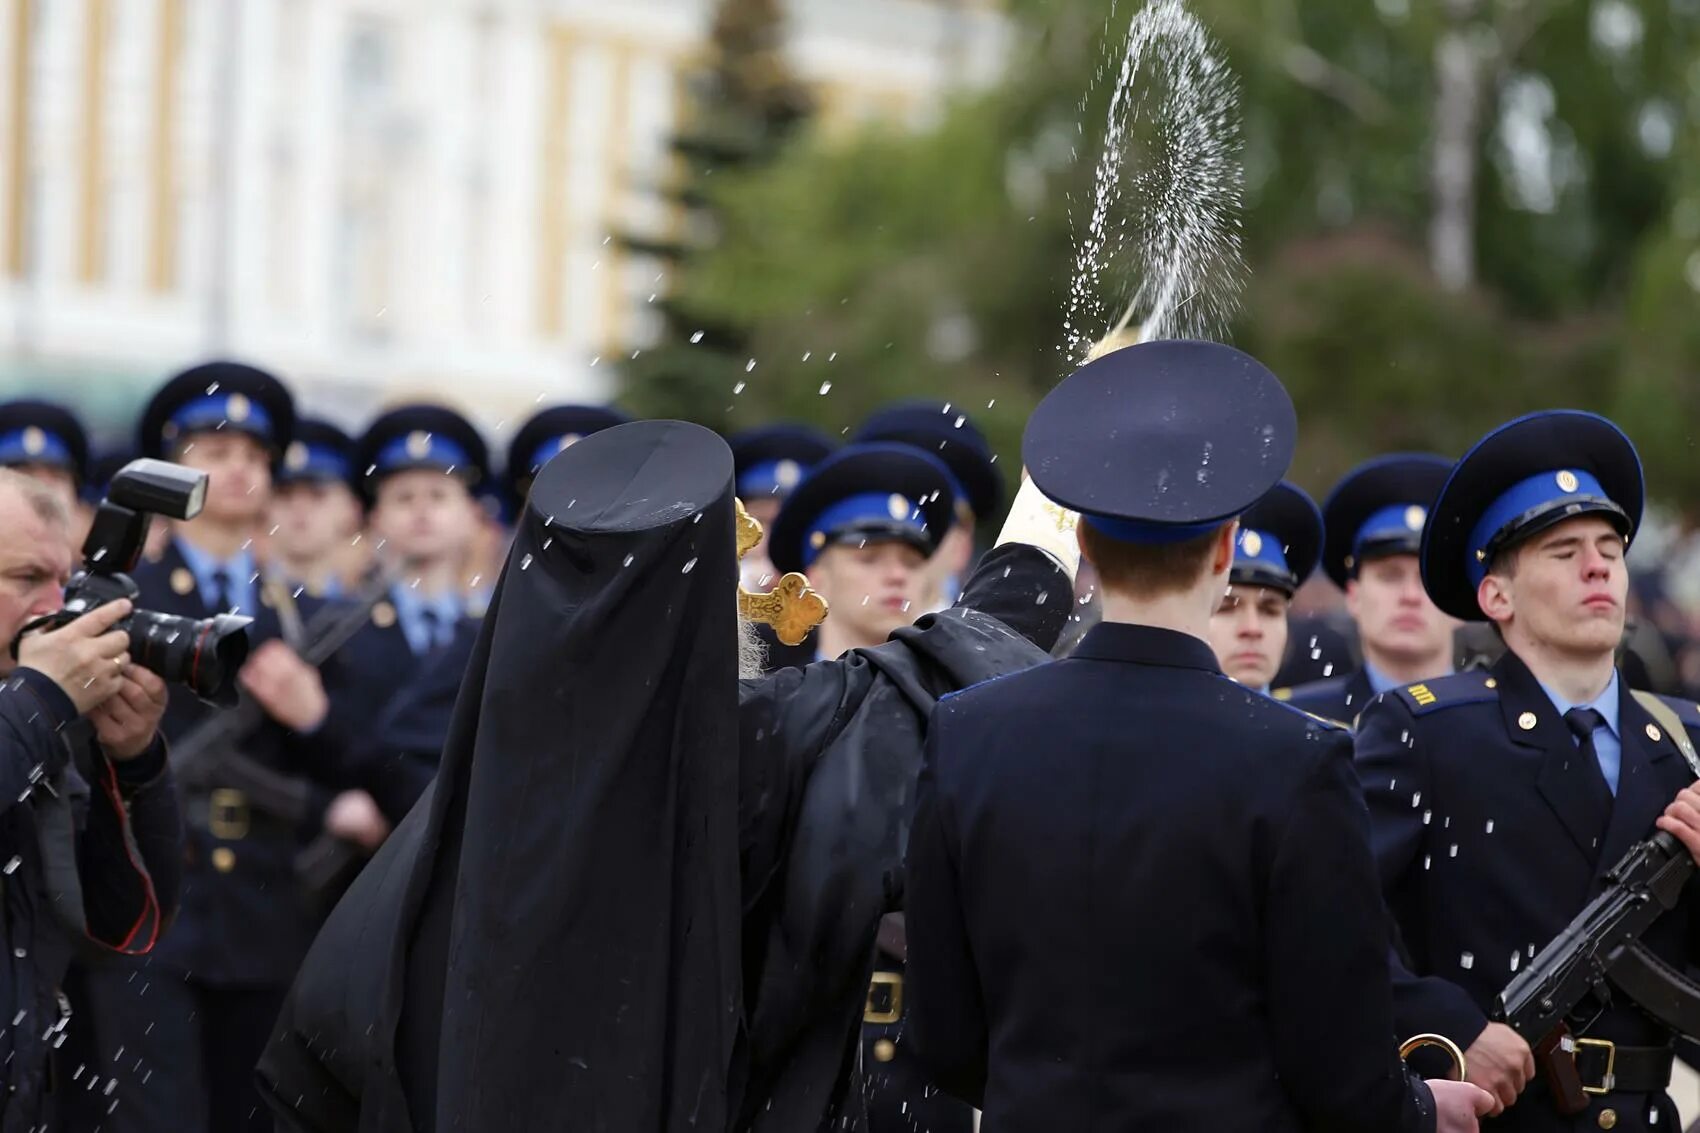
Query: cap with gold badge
x,y
1521,479
320,453
41,433
864,493
218,397
1278,540
413,437
549,431
1379,509
773,459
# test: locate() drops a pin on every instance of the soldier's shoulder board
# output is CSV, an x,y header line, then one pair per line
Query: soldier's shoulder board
x,y
1472,687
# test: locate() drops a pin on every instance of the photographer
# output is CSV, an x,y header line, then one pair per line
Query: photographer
x,y
91,849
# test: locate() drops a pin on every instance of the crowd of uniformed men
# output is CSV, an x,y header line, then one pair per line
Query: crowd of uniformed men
x,y
1483,844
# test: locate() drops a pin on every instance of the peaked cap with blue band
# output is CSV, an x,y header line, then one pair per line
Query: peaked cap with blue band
x,y
412,437
944,431
549,431
1162,441
1519,480
218,397
101,471
864,493
39,432
1279,539
1380,509
773,459
320,452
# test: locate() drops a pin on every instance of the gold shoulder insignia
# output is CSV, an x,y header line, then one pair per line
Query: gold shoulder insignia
x,y
1282,694
1421,694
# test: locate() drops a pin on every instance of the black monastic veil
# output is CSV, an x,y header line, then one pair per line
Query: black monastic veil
x,y
642,895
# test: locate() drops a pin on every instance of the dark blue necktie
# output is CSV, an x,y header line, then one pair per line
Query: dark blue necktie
x,y
219,599
1584,722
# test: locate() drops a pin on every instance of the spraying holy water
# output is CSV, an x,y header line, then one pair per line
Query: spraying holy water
x,y
1161,253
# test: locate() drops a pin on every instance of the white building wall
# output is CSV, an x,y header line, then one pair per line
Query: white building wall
x,y
380,198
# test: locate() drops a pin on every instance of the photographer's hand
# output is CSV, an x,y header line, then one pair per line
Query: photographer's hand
x,y
86,658
289,689
125,725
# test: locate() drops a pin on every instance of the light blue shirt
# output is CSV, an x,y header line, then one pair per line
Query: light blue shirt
x,y
240,575
1608,741
410,607
1379,682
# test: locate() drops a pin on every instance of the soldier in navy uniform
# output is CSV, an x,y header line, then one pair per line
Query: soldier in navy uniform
x,y
862,526
1279,539
316,517
178,1034
1499,799
1140,896
47,443
418,467
1374,518
945,431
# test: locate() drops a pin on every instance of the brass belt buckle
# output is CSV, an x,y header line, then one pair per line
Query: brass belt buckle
x,y
227,814
1608,1081
1417,1042
872,1012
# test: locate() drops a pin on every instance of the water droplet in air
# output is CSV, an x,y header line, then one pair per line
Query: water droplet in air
x,y
825,388
525,563
1490,826
737,389
696,338
750,365
1516,959
688,567
1416,800
1467,960
628,561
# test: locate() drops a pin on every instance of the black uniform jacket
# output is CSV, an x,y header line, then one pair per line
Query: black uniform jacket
x,y
1142,897
1489,840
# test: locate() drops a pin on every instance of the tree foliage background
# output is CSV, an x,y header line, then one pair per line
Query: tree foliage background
x,y
1455,211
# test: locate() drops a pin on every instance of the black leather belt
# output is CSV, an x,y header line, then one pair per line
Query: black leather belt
x,y
1605,1067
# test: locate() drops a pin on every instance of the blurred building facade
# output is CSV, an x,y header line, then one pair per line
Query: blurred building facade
x,y
379,198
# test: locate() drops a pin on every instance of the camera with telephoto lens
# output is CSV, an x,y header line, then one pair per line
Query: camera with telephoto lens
x,y
203,654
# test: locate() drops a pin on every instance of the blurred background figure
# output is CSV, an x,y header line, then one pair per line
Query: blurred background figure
x,y
769,463
315,516
1275,550
944,431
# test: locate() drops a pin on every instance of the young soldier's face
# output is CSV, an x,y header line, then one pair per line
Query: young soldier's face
x,y
872,589
1394,615
1565,590
239,471
424,516
313,518
1248,631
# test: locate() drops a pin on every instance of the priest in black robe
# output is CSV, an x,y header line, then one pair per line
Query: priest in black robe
x,y
642,895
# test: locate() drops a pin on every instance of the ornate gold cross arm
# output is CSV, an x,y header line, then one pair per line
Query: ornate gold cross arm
x,y
791,607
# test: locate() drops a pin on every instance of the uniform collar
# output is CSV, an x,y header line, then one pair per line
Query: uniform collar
x,y
410,608
1146,645
1379,682
238,569
1606,704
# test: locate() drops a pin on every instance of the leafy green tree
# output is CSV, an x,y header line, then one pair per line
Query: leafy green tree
x,y
744,105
